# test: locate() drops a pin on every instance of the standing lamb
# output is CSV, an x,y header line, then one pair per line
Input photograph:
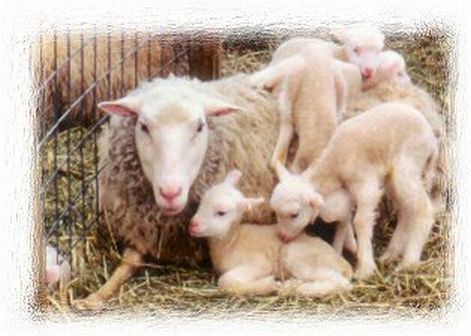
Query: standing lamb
x,y
311,93
251,258
391,83
326,83
390,146
166,143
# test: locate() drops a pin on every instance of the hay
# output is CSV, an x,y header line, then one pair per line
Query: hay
x,y
193,291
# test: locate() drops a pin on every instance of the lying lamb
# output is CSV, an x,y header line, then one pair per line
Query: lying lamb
x,y
250,257
390,146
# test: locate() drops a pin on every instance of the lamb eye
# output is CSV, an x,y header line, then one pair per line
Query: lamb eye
x,y
221,213
144,128
200,127
356,50
294,215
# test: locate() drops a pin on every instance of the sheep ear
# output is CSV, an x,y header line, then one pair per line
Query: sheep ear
x,y
251,202
126,107
216,107
281,171
233,177
316,201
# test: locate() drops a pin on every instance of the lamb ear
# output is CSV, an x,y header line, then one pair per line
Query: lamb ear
x,y
281,171
126,107
316,201
390,67
215,107
233,177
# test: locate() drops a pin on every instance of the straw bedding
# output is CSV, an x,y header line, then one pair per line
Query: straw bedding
x,y
184,290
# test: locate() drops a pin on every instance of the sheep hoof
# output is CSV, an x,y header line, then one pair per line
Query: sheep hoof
x,y
92,302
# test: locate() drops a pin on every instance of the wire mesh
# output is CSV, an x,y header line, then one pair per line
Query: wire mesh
x,y
73,72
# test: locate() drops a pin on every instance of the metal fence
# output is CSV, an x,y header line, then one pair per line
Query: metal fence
x,y
74,71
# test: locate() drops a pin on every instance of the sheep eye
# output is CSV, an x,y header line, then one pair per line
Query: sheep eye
x,y
221,213
294,215
356,50
144,128
200,126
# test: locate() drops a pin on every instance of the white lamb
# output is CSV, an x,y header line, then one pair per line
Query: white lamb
x,y
250,257
312,81
311,93
391,147
361,46
391,67
391,83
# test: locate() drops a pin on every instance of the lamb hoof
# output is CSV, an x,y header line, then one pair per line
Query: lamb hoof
x,y
387,257
92,302
365,272
407,266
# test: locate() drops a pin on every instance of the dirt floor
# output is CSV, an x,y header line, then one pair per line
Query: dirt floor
x,y
189,291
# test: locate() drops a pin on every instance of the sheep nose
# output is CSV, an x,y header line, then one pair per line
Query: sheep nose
x,y
367,72
169,193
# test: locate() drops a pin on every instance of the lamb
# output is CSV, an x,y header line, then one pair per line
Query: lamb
x,y
391,83
391,67
166,143
390,146
360,46
251,258
311,93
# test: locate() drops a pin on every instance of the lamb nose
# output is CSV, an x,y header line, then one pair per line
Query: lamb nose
x,y
170,193
367,72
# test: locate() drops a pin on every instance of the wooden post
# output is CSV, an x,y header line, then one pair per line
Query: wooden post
x,y
204,57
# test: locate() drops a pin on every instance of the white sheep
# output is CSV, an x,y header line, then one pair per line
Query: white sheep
x,y
311,92
390,146
251,258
